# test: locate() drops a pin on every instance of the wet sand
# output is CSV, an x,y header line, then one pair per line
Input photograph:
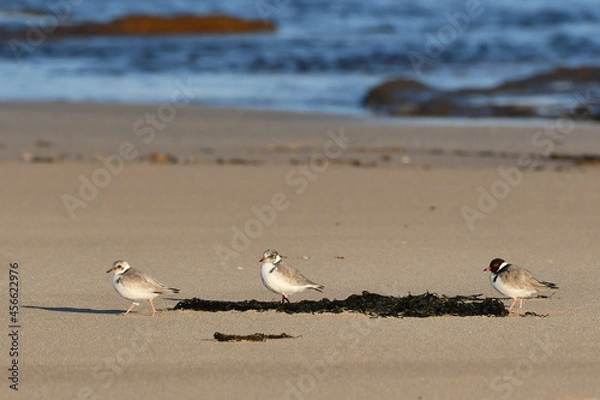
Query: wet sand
x,y
385,213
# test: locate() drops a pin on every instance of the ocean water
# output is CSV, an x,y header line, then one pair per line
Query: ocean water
x,y
323,57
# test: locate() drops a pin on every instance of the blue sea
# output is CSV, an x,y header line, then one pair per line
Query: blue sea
x,y
323,56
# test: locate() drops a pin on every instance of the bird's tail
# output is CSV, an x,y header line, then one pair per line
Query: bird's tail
x,y
318,288
548,285
173,289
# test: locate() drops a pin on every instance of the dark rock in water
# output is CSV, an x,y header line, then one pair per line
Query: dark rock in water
x,y
256,337
154,25
551,80
399,91
411,98
372,304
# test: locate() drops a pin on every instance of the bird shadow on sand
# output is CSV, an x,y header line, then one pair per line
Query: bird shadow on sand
x,y
75,310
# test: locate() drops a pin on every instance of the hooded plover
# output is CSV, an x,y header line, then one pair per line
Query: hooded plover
x,y
515,282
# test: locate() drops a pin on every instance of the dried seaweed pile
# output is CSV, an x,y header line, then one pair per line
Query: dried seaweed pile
x,y
255,337
372,304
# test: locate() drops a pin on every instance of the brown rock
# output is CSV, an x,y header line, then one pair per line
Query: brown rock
x,y
392,91
579,75
163,158
412,98
155,25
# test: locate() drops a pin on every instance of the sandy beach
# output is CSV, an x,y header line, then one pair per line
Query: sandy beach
x,y
194,195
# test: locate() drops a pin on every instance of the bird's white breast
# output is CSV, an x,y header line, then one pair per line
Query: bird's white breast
x,y
275,282
129,291
508,290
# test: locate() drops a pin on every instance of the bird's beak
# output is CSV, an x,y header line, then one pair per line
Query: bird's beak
x,y
487,269
263,259
110,270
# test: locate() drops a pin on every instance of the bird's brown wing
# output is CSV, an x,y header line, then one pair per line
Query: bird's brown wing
x,y
523,278
293,276
142,282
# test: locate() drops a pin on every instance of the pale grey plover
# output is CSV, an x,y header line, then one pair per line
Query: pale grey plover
x,y
281,278
135,285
